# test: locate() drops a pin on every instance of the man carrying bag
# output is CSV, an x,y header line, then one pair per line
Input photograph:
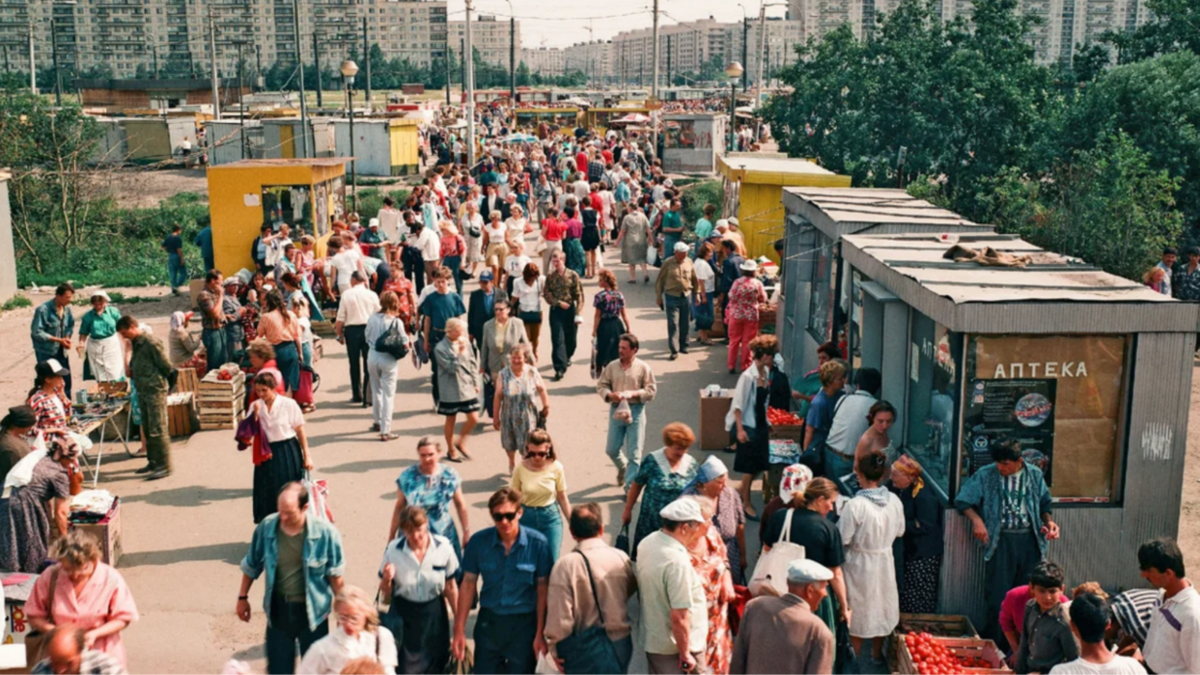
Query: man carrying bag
x,y
589,628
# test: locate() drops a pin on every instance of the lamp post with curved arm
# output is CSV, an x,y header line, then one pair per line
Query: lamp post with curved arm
x,y
349,69
733,70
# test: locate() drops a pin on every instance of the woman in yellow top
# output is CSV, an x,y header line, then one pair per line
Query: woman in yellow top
x,y
541,481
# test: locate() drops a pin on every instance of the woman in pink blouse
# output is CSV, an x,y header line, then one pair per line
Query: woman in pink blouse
x,y
87,593
741,315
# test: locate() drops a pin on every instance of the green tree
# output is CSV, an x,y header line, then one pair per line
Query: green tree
x,y
523,76
1174,25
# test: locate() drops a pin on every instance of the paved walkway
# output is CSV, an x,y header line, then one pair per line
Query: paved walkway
x,y
184,536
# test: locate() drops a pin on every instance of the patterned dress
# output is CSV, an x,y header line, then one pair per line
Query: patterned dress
x,y
435,494
518,414
661,485
24,520
50,409
610,328
711,568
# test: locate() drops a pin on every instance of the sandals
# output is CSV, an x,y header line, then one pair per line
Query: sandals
x,y
462,450
454,458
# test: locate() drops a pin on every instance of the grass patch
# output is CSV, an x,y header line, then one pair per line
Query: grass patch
x,y
16,302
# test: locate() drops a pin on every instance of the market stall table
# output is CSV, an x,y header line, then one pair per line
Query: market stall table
x,y
99,415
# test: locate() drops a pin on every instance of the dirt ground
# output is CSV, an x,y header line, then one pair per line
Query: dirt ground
x,y
144,189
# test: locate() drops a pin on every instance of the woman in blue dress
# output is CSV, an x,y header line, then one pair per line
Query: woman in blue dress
x,y
434,487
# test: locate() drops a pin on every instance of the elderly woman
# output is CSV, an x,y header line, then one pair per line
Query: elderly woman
x,y
286,459
924,535
543,486
741,315
662,476
501,335
712,482
81,590
184,348
40,478
435,488
869,523
99,340
16,438
458,384
515,412
418,574
710,559
356,635
634,242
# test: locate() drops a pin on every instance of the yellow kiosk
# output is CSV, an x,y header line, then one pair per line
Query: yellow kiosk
x,y
754,185
308,194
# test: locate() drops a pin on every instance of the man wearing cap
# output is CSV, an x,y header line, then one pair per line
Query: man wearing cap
x,y
735,235
149,369
482,306
677,281
674,608
357,305
784,635
374,240
52,328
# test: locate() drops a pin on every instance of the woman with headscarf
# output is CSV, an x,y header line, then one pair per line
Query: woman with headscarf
x,y
712,482
924,533
38,479
15,437
183,348
99,340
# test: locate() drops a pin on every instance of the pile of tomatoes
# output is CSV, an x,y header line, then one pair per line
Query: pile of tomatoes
x,y
933,658
782,418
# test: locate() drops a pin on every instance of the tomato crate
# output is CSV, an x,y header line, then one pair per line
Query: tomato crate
x,y
901,659
939,625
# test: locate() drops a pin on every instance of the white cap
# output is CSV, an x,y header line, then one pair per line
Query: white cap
x,y
682,510
734,221
749,266
722,224
807,571
100,294
374,222
681,247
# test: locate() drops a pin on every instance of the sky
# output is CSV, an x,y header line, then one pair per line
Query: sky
x,y
554,23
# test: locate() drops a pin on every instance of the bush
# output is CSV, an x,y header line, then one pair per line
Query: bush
x,y
14,302
697,195
370,201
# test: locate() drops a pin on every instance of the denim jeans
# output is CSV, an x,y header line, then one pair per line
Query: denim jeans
x,y
548,521
504,643
630,436
381,375
287,358
215,347
306,354
176,271
679,312
454,263
289,625
836,465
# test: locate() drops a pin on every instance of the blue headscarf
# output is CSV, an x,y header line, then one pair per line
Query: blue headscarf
x,y
712,469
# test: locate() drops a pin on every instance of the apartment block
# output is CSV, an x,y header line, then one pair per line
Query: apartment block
x,y
545,60
591,58
490,36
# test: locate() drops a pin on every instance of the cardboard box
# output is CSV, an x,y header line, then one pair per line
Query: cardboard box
x,y
194,288
713,409
108,533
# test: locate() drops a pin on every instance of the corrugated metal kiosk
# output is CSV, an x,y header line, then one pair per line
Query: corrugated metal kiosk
x,y
382,147
1090,372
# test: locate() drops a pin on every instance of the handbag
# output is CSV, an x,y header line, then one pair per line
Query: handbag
x,y
770,573
622,542
35,642
393,342
590,650
530,317
844,657
308,382
389,620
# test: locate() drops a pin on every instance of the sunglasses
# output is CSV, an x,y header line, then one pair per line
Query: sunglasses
x,y
510,516
537,454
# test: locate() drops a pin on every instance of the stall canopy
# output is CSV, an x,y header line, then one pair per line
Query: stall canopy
x,y
840,211
631,118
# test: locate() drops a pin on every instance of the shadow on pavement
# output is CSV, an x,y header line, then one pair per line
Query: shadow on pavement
x,y
192,495
230,553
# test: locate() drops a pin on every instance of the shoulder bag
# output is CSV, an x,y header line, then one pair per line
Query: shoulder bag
x,y
770,574
590,650
393,342
35,641
622,542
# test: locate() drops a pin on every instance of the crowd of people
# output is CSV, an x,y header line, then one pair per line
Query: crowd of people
x,y
855,536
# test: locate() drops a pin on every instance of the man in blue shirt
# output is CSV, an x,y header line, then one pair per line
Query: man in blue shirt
x,y
303,560
515,564
436,309
204,242
52,328
819,421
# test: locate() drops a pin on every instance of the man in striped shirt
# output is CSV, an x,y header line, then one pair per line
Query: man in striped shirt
x,y
1132,611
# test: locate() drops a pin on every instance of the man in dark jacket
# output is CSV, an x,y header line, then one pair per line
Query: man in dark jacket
x,y
482,306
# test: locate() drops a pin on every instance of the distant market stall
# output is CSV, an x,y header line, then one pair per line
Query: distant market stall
x,y
692,141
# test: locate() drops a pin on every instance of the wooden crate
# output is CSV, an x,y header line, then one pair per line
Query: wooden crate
x,y
713,409
324,329
790,432
181,414
940,625
220,402
900,660
187,380
107,532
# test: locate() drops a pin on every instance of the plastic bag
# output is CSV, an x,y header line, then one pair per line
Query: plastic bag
x,y
318,498
623,413
651,255
546,665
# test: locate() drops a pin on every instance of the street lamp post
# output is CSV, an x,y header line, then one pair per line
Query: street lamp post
x,y
349,70
734,71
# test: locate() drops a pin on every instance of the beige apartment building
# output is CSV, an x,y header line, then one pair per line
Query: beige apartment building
x,y
548,61
489,36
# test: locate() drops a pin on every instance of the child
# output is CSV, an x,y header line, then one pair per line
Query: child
x,y
1047,640
1090,619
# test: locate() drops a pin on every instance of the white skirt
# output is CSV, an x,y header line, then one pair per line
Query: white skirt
x,y
107,358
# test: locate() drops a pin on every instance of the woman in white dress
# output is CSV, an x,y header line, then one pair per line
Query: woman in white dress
x,y
870,523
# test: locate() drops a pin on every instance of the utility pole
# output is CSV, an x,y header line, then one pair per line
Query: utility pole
x,y
260,81
761,48
154,52
212,54
241,103
462,62
54,51
317,63
669,80
6,66
367,57
32,62
745,46
448,71
512,61
654,88
304,130
469,55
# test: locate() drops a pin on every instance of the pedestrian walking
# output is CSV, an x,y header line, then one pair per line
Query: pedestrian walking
x,y
540,479
358,635
98,340
39,489
355,309
513,563
634,242
471,226
611,320
676,291
710,559
204,241
437,308
706,278
1171,644
783,635
382,366
627,385
924,536
660,480
435,488
516,414
494,235
458,383
278,326
554,231
149,370
742,315
304,565
747,421
673,602
176,267
591,588
286,458
453,249
528,291
514,266
52,327
729,520
418,575
481,307
564,295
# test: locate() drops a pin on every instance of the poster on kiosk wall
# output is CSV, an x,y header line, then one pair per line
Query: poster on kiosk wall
x,y
1020,410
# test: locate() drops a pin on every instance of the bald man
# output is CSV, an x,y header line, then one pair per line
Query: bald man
x,y
66,652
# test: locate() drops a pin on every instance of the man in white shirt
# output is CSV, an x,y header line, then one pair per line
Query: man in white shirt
x,y
430,246
389,224
1173,641
674,609
850,422
1090,618
355,308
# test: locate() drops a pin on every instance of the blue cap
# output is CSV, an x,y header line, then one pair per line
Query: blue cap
x,y
486,276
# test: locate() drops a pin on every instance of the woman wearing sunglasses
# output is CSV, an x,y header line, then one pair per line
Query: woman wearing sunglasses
x,y
541,481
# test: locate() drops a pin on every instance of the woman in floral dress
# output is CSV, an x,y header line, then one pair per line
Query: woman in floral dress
x,y
516,415
434,487
710,560
661,478
611,320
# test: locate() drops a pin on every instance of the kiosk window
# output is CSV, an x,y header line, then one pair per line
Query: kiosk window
x,y
935,355
824,280
1061,397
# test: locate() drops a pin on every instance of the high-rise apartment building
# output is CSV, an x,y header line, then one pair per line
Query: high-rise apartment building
x,y
549,61
593,59
157,34
489,36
